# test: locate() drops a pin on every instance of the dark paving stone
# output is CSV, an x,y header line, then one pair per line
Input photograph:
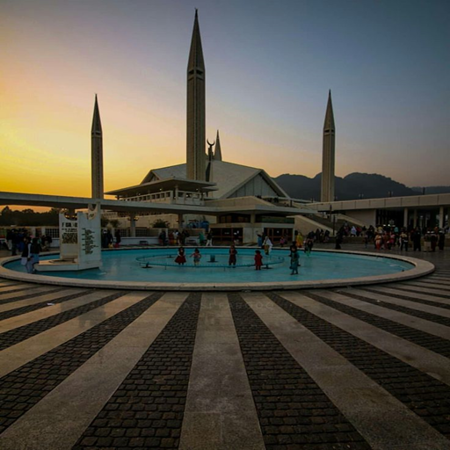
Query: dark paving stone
x,y
422,394
293,411
147,409
21,389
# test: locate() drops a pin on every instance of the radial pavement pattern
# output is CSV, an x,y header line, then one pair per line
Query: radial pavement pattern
x,y
348,368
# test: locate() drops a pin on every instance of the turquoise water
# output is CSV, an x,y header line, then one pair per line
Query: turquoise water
x,y
123,265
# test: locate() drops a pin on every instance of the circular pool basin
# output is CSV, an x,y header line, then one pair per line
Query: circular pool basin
x,y
156,268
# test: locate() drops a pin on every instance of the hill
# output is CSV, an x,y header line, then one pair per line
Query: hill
x,y
353,186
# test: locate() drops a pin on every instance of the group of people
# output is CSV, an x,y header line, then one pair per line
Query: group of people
x,y
179,238
390,238
15,240
266,245
110,241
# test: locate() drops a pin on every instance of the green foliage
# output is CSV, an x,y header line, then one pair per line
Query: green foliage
x,y
160,224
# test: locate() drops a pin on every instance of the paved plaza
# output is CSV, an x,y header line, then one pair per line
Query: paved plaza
x,y
348,368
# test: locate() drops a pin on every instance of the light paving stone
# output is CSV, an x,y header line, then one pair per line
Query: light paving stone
x,y
371,410
39,298
396,316
425,290
34,316
220,412
17,355
47,426
416,356
397,301
36,290
417,295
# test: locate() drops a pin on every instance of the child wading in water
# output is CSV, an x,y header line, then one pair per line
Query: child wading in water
x,y
232,258
181,258
294,260
258,260
197,257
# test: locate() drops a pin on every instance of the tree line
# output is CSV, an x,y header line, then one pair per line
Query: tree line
x,y
29,218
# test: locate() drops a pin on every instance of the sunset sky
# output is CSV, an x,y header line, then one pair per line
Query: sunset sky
x,y
269,66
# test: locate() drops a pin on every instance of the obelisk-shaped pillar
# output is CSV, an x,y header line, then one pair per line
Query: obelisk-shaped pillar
x,y
217,149
96,154
328,156
195,139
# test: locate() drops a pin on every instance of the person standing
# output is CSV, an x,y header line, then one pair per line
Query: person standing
x,y
118,238
260,241
416,238
209,238
26,256
9,236
441,240
35,250
258,260
294,260
181,258
232,256
404,240
267,245
196,256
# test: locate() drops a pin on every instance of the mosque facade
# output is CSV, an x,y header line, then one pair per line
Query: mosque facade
x,y
261,205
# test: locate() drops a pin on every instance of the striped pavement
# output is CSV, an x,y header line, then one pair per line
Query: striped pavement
x,y
349,368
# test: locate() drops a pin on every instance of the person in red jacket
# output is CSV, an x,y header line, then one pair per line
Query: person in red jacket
x,y
258,260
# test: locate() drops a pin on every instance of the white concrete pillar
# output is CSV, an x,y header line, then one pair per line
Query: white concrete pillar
x,y
405,217
441,217
180,222
133,225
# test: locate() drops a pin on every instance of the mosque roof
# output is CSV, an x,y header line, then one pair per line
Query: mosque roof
x,y
229,177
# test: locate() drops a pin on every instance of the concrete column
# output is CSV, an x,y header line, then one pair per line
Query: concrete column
x,y
252,219
180,222
405,217
133,225
441,217
415,218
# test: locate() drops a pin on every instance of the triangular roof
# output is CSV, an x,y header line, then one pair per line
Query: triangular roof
x,y
229,177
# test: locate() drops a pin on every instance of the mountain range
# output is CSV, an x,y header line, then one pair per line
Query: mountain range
x,y
353,186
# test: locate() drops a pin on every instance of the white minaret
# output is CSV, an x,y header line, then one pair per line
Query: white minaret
x,y
195,138
97,154
328,156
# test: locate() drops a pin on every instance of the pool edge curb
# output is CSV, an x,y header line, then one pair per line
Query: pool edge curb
x,y
421,268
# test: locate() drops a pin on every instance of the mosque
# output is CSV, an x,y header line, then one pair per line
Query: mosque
x,y
254,202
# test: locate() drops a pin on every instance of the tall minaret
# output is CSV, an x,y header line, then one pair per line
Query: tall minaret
x,y
217,149
195,142
327,191
97,153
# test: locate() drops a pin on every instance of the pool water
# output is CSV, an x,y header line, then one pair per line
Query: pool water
x,y
126,265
